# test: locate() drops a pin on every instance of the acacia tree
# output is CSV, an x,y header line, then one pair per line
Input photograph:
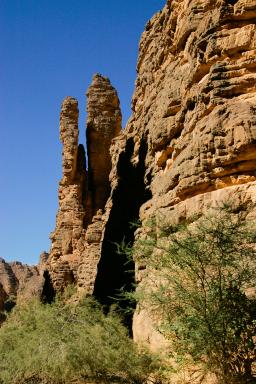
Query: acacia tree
x,y
199,274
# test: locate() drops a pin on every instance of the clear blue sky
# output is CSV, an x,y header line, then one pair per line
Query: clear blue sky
x,y
50,49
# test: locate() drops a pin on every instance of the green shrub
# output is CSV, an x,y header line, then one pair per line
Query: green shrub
x,y
196,281
63,343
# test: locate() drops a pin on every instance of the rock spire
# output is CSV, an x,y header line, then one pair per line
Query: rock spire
x,y
82,192
64,255
103,124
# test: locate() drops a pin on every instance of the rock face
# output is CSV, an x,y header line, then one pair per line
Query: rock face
x,y
82,194
194,105
191,140
189,144
8,280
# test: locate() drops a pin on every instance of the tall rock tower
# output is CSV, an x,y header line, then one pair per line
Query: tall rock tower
x,y
82,192
103,125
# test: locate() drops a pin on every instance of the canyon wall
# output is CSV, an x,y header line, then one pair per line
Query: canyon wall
x,y
189,144
194,106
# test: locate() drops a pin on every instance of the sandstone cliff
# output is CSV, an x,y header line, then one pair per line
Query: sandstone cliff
x,y
189,143
194,106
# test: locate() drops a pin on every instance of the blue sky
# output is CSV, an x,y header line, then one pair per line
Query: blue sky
x,y
50,49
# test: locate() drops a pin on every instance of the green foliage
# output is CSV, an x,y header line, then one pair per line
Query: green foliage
x,y
196,280
63,343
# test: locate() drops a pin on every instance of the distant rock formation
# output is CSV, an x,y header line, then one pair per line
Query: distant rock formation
x,y
20,282
8,279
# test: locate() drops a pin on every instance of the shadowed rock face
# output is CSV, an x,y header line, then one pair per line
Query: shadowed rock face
x,y
3,297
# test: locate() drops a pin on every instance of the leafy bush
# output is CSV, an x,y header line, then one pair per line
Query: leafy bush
x,y
196,281
63,343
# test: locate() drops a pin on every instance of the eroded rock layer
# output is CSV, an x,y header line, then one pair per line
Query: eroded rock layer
x,y
195,99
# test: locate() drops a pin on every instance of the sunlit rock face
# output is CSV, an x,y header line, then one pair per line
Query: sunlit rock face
x,y
103,124
195,102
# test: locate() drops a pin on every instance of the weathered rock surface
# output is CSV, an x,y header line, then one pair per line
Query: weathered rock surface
x,y
76,240
103,125
195,98
8,279
3,298
189,144
194,105
30,280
